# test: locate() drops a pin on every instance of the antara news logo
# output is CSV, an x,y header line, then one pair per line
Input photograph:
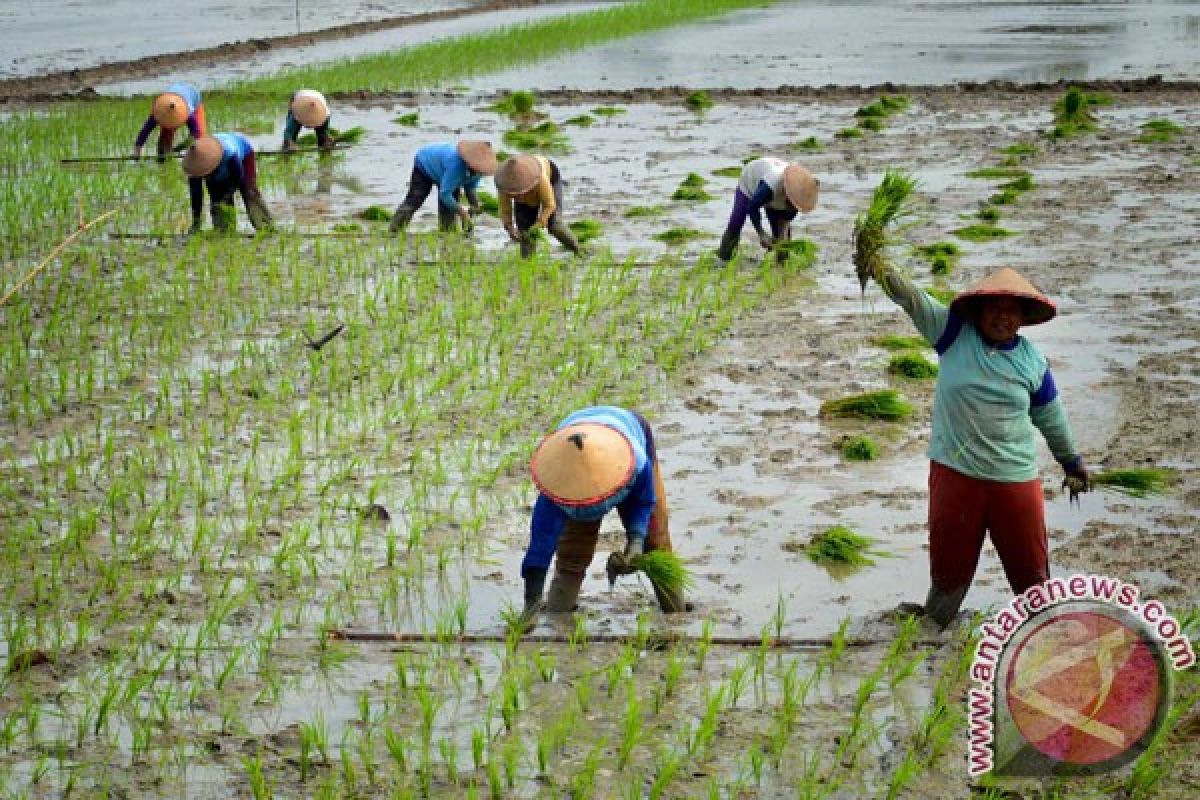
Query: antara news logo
x,y
1072,677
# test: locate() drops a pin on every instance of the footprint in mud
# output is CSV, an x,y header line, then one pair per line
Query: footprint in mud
x,y
729,457
742,500
702,405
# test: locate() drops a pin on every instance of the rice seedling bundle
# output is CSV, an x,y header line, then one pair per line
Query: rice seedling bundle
x,y
691,194
858,448
581,121
988,214
489,203
998,172
1158,131
679,235
728,172
889,203
645,211
893,342
408,120
849,133
911,365
886,404
545,136
840,545
665,570
1135,482
608,111
942,256
1073,112
698,101
374,213
808,144
982,232
799,253
586,229
942,294
349,136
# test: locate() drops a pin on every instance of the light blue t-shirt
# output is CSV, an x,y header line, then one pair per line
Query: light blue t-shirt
x,y
446,168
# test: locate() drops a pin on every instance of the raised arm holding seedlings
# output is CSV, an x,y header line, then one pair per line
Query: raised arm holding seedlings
x,y
531,196
179,105
776,187
225,164
599,458
455,170
307,108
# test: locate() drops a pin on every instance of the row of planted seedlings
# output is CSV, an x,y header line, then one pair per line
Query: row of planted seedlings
x,y
184,476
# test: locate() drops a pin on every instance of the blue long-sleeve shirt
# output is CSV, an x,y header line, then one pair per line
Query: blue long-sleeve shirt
x,y
446,168
635,503
191,96
235,150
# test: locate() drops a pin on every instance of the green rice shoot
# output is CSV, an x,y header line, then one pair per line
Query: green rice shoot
x,y
982,232
1159,131
889,204
586,229
912,366
545,136
841,546
634,212
374,213
728,172
942,294
665,570
676,236
893,341
884,404
581,121
998,172
608,111
849,133
798,253
349,136
809,144
1135,482
858,448
489,203
698,101
1073,113
408,120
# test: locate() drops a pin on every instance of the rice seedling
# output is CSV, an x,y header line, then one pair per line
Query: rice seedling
x,y
1136,481
1022,183
544,137
410,120
986,214
840,545
348,136
581,121
586,230
728,172
942,256
489,203
848,133
665,570
873,124
858,448
911,365
678,236
1159,131
890,203
1020,150
609,111
998,172
809,144
515,104
795,253
1073,113
691,189
885,404
942,294
374,213
698,101
893,341
645,211
981,232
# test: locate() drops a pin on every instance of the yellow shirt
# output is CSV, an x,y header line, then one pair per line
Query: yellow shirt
x,y
541,195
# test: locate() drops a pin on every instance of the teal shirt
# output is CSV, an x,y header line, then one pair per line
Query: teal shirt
x,y
988,399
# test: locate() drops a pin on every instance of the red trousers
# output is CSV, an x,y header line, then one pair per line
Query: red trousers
x,y
963,509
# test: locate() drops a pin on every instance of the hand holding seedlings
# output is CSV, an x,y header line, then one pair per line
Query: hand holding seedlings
x,y
324,340
307,108
530,195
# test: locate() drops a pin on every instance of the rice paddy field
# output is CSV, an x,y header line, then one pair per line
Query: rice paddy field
x,y
200,509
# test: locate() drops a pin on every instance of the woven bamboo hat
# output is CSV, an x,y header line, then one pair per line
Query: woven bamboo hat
x,y
518,174
1006,282
309,108
170,110
203,157
479,155
800,187
583,464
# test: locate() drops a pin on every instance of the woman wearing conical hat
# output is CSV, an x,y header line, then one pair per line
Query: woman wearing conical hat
x,y
531,196
455,169
179,105
994,389
599,458
225,164
307,109
773,186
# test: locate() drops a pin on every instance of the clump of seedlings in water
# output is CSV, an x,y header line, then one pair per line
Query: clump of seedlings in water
x,y
581,121
809,144
410,120
586,229
797,253
545,137
885,404
645,211
665,570
374,213
890,203
518,105
911,365
1159,131
858,448
1135,482
982,232
942,294
873,117
349,136
691,190
608,111
673,236
489,203
728,172
1073,112
987,214
998,172
698,101
893,341
849,133
842,546
942,256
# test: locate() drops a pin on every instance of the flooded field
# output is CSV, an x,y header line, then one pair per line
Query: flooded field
x,y
192,497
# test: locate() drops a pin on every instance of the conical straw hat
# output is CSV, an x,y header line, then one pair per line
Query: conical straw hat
x,y
518,175
1007,282
800,187
309,108
479,155
203,157
170,110
583,464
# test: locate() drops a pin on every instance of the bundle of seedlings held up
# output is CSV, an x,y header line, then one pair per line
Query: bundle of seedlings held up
x,y
665,570
872,237
1135,482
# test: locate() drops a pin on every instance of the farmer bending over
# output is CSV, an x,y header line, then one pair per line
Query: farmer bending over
x,y
307,109
530,188
993,388
179,105
598,459
225,163
455,170
775,186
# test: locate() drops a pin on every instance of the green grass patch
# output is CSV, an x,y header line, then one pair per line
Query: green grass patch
x,y
410,120
1159,131
347,227
982,232
912,366
841,546
586,229
1136,482
675,236
998,172
893,341
645,211
858,448
375,213
885,404
849,133
698,101
809,144
728,172
581,121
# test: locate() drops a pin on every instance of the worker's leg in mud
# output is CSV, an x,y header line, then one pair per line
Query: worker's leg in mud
x,y
576,547
957,525
256,207
733,229
419,187
325,140
556,226
523,217
1017,522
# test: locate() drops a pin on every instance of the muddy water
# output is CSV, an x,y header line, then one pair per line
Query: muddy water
x,y
752,472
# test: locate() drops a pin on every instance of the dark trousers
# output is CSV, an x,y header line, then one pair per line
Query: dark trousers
x,y
780,222
525,216
222,209
419,187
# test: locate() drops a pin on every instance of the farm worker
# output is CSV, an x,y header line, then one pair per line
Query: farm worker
x,y
599,458
530,189
993,389
179,105
455,170
307,109
776,187
225,162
